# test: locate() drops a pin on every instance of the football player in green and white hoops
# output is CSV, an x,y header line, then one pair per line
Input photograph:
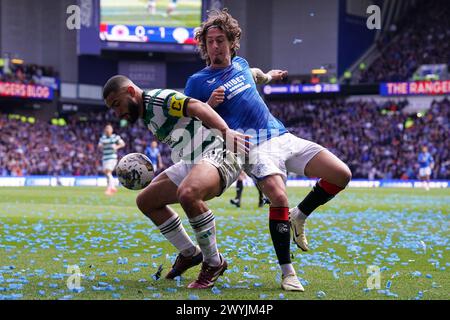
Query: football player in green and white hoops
x,y
204,168
109,143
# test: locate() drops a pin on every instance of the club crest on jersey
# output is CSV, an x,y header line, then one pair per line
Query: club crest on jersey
x,y
237,66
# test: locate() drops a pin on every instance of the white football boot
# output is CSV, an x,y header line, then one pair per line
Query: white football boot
x,y
298,229
291,283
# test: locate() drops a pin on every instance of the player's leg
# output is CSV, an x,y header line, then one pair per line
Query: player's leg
x,y
210,178
266,166
107,175
109,181
422,177
108,168
427,182
427,178
315,161
112,167
274,188
151,6
239,188
260,199
153,201
201,184
171,7
330,168
334,177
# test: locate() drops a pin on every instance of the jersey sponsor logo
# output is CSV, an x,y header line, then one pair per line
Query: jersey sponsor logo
x,y
236,86
211,81
239,90
234,82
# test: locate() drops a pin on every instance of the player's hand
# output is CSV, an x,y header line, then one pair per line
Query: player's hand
x,y
278,74
237,142
217,97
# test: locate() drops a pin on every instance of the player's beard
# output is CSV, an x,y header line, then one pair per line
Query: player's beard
x,y
133,110
217,61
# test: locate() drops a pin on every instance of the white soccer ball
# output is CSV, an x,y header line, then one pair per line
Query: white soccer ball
x,y
135,171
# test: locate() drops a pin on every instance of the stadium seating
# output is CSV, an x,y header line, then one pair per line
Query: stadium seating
x,y
377,141
45,149
20,72
423,37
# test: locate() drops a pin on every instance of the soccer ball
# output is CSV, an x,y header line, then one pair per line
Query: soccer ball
x,y
135,171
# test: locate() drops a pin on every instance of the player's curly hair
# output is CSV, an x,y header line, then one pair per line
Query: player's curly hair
x,y
225,22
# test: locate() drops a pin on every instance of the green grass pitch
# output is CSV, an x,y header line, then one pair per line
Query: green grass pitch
x,y
134,12
404,232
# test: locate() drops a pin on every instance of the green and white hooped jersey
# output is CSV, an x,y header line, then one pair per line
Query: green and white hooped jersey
x,y
165,116
107,142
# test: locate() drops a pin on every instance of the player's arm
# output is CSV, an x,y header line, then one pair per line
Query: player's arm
x,y
119,145
183,106
217,97
264,78
206,114
235,141
160,162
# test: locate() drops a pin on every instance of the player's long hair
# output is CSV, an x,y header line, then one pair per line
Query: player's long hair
x,y
223,20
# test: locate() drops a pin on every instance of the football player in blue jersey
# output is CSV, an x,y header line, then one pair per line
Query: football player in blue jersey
x,y
154,154
426,164
228,84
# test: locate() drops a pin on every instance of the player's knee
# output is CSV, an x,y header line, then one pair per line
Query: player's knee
x,y
187,195
140,203
277,197
143,204
345,175
275,191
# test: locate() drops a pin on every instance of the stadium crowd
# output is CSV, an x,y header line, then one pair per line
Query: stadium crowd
x,y
24,73
377,141
422,38
45,149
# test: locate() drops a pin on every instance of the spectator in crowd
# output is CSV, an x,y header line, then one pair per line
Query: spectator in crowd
x,y
373,139
377,141
422,38
24,73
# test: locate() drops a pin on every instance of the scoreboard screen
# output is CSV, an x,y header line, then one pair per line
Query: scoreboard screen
x,y
150,21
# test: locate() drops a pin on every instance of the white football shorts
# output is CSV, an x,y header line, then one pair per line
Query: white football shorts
x,y
424,172
226,162
109,164
279,155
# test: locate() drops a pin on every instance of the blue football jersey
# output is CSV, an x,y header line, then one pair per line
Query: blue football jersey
x,y
243,107
152,154
425,159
